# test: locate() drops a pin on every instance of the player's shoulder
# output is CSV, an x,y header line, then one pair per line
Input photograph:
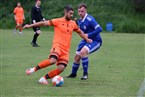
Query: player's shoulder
x,y
63,20
58,19
34,7
72,21
16,8
90,18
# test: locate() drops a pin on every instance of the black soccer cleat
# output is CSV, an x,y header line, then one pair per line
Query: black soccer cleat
x,y
85,77
72,76
34,44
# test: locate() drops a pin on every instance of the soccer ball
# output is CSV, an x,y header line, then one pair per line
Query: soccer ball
x,y
57,81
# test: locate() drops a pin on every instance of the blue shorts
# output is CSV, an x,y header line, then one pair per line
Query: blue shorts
x,y
91,47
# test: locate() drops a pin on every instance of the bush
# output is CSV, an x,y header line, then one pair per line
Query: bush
x,y
131,26
139,5
120,12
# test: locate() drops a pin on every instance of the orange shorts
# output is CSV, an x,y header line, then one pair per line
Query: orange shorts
x,y
62,55
19,21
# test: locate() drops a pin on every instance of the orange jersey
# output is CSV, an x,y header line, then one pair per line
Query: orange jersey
x,y
19,13
63,30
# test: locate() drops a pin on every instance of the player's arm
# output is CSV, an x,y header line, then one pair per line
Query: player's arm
x,y
83,36
38,24
33,14
42,18
15,14
23,15
81,33
97,28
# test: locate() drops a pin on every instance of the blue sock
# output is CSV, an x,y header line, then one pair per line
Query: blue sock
x,y
75,68
85,63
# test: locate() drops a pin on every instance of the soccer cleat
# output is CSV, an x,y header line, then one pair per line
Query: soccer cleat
x,y
30,71
14,31
85,77
43,81
72,76
21,33
34,44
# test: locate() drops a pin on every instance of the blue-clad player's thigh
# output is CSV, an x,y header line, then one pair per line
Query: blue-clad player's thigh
x,y
91,47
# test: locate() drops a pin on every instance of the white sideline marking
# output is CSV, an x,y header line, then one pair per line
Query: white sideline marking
x,y
141,90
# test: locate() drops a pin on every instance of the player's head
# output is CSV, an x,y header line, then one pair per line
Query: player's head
x,y
38,3
18,4
69,11
82,10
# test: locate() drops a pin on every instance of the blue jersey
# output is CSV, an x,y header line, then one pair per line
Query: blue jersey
x,y
90,26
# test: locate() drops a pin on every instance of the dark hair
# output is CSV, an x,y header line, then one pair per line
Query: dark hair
x,y
67,8
37,0
82,5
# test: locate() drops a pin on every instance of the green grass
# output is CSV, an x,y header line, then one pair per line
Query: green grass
x,y
116,70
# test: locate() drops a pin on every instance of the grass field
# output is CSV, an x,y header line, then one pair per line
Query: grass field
x,y
116,70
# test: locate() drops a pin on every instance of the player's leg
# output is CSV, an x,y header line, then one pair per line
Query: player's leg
x,y
61,65
87,49
60,68
85,62
17,25
75,66
76,63
37,32
52,60
20,26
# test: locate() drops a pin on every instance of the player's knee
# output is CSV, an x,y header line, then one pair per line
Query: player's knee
x,y
84,52
38,31
18,24
61,66
77,58
53,60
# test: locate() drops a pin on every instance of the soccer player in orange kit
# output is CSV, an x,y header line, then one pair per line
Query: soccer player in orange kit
x,y
59,54
19,17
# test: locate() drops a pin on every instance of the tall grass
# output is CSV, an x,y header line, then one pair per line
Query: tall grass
x,y
121,13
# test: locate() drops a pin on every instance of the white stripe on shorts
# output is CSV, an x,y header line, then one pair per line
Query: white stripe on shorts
x,y
89,51
94,48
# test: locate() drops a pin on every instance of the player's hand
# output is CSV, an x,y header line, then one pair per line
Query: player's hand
x,y
26,26
89,40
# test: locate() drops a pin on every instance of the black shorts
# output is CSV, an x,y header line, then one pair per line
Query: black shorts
x,y
36,29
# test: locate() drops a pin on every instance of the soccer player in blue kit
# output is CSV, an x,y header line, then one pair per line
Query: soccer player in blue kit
x,y
92,29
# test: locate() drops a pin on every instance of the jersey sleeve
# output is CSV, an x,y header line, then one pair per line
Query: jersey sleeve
x,y
33,13
53,22
76,28
94,24
23,10
97,28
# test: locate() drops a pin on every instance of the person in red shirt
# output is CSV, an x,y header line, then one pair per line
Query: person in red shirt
x,y
19,17
59,54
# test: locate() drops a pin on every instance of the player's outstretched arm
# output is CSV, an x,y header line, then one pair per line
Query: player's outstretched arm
x,y
42,23
85,37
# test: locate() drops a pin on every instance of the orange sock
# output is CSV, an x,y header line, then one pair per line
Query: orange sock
x,y
43,64
53,73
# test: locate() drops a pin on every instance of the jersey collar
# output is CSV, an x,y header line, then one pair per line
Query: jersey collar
x,y
84,17
37,6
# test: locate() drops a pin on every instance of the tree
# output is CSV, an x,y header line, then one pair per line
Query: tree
x,y
139,5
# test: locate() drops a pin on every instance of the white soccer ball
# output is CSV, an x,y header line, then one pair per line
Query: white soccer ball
x,y
57,81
